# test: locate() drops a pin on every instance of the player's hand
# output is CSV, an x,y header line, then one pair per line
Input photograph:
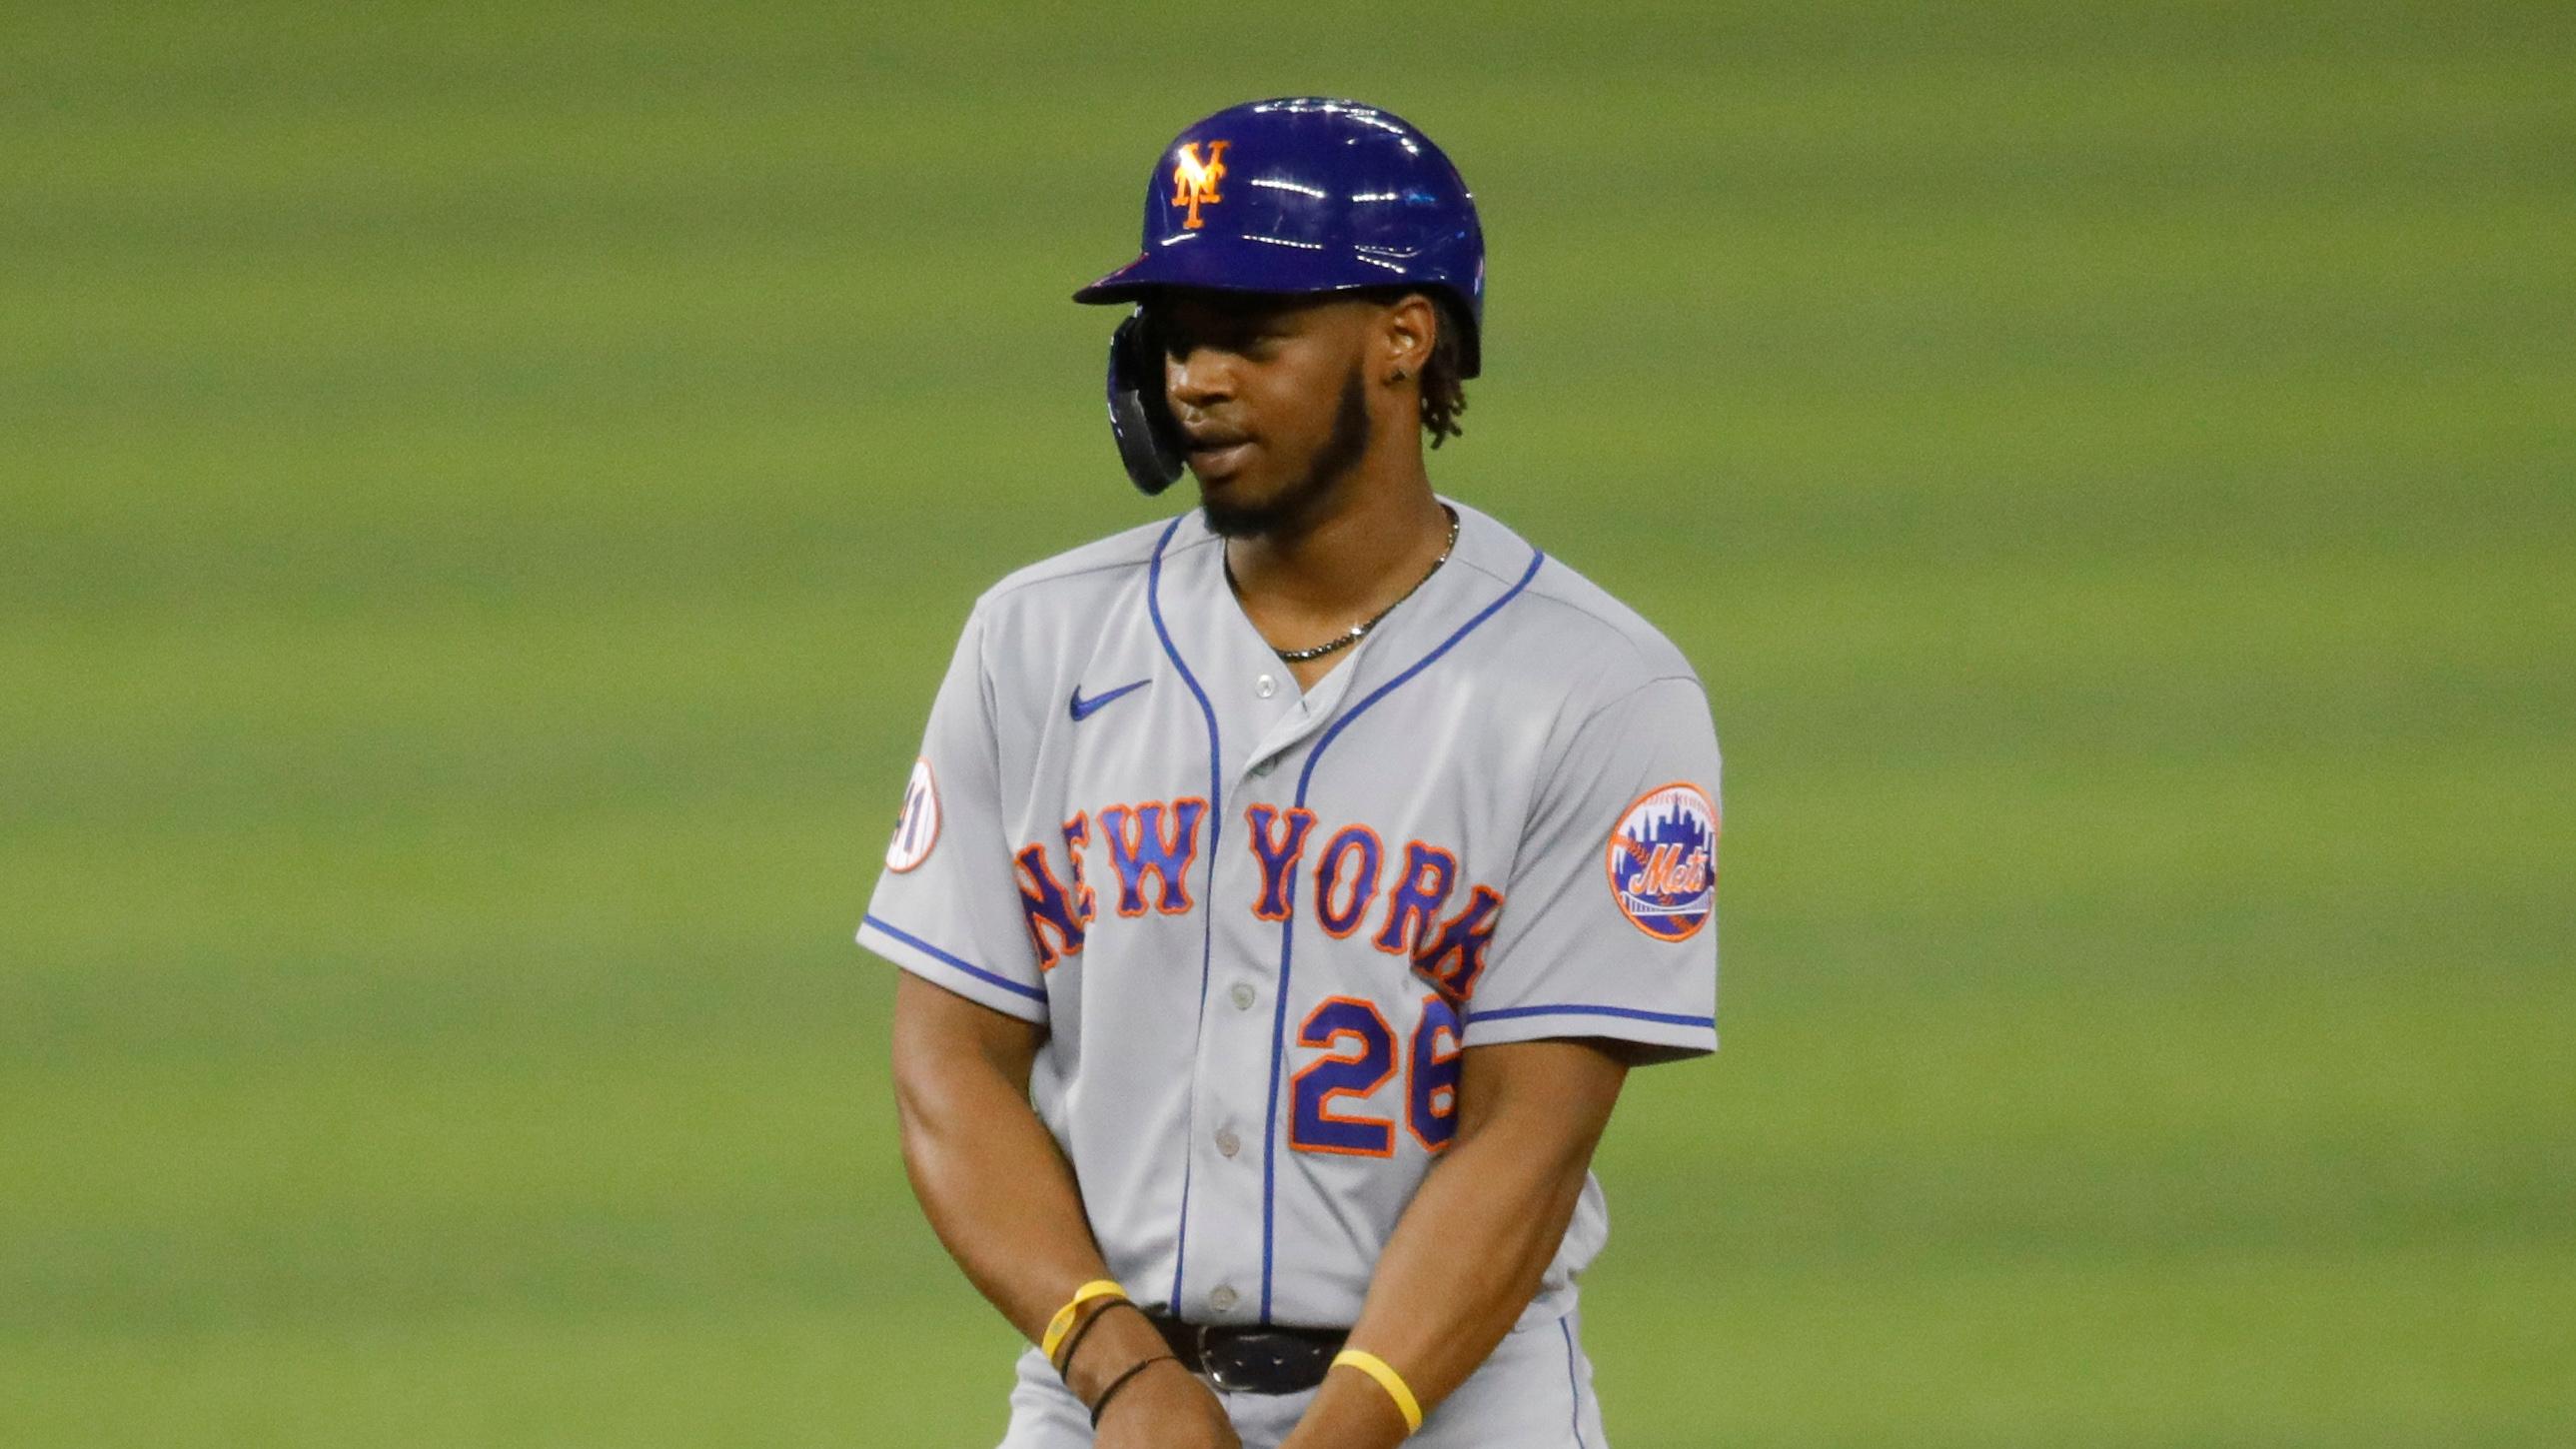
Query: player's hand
x,y
1166,1408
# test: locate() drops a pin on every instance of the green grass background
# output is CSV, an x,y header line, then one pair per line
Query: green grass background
x,y
486,494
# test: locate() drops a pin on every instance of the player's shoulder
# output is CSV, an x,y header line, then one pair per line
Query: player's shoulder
x,y
1566,625
1102,566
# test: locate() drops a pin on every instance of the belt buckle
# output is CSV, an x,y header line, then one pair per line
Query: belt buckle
x,y
1208,1363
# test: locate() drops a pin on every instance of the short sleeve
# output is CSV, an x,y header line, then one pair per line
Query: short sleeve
x,y
946,908
1609,927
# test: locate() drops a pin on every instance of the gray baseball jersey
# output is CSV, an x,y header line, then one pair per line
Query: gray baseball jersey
x,y
1260,924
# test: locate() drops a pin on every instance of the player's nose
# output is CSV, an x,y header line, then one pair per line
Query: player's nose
x,y
1198,378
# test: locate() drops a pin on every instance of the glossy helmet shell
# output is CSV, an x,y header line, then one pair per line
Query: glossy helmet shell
x,y
1306,194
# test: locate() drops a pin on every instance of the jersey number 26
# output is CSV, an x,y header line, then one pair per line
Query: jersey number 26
x,y
1359,1059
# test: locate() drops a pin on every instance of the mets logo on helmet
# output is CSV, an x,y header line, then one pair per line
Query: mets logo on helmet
x,y
1194,180
1663,861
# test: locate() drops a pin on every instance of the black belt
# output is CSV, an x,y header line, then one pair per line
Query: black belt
x,y
1266,1360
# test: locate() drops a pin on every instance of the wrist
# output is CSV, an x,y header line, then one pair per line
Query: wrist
x,y
1349,1412
1118,1387
1384,1374
1078,1311
1120,1338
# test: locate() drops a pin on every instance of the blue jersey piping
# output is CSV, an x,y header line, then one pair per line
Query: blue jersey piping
x,y
1573,1381
1575,1009
1288,927
1216,833
979,973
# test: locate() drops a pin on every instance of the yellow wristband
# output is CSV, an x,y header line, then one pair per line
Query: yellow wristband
x,y
1062,1323
1387,1379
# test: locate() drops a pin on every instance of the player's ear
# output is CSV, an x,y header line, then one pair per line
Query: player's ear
x,y
1405,336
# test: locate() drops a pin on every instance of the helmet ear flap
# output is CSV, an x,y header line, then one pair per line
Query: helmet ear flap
x,y
1140,417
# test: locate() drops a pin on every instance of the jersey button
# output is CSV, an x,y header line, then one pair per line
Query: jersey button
x,y
1243,996
1222,1300
1265,686
1227,1143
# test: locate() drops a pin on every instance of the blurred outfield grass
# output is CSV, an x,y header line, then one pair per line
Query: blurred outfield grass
x,y
486,493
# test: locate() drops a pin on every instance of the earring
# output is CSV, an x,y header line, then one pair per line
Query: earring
x,y
1400,375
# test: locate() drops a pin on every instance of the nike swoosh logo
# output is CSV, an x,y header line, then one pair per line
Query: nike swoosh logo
x,y
1084,709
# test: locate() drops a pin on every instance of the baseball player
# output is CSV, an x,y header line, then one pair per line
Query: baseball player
x,y
1260,861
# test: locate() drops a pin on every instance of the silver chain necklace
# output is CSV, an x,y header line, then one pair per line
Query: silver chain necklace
x,y
1359,630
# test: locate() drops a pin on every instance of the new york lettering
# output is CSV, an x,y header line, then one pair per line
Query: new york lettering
x,y
1351,881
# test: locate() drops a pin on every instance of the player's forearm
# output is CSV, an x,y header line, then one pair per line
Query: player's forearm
x,y
1468,1254
997,1192
993,1182
1463,1264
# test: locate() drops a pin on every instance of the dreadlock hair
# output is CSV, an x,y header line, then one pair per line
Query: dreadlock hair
x,y
1444,393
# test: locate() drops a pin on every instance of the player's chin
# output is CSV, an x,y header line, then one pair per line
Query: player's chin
x,y
1237,506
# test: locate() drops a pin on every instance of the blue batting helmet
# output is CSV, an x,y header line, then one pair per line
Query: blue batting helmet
x,y
1305,194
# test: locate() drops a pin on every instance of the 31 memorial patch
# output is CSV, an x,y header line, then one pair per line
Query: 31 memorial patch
x,y
1663,862
917,828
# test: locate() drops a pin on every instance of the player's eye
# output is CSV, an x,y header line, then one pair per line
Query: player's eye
x,y
1242,342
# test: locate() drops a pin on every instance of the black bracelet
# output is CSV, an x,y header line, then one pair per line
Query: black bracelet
x,y
1121,1382
1064,1355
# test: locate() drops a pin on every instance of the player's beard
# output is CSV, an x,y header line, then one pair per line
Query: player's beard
x,y
1294,509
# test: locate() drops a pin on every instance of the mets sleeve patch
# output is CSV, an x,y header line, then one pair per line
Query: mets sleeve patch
x,y
1662,860
916,830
